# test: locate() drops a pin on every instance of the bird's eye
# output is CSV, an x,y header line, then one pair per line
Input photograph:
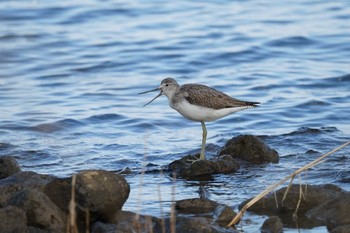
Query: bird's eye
x,y
166,85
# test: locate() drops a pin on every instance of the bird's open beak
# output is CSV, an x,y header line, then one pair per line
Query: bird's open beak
x,y
157,89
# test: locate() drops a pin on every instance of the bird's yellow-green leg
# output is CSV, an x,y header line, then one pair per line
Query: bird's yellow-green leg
x,y
202,155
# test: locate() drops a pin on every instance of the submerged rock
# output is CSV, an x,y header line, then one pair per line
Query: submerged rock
x,y
103,193
250,148
272,225
8,166
186,168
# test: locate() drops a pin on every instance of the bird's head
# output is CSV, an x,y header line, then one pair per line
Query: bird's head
x,y
167,87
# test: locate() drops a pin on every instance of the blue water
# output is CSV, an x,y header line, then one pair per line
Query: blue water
x,y
70,72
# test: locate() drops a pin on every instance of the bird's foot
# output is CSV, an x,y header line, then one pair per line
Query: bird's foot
x,y
196,158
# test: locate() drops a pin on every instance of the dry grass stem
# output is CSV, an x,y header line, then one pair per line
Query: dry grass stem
x,y
72,217
162,221
274,186
172,212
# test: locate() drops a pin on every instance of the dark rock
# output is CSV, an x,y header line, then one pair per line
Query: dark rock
x,y
333,213
195,206
314,195
40,211
200,225
129,222
221,214
341,229
272,225
250,148
21,180
8,166
12,220
59,192
185,168
31,229
103,193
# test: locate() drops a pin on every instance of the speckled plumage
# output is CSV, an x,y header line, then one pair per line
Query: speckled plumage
x,y
201,103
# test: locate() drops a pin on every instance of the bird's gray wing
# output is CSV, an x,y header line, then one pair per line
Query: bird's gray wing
x,y
204,96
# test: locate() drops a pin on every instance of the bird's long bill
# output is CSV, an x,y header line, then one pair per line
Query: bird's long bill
x,y
157,89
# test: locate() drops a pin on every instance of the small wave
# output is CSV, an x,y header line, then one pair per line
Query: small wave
x,y
313,103
307,130
56,126
5,146
104,117
291,42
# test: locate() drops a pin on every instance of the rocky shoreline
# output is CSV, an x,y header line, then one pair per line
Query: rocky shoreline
x,y
37,203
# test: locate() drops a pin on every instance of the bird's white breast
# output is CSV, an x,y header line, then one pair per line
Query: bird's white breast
x,y
198,113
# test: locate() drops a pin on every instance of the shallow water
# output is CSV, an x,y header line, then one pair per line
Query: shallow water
x,y
70,72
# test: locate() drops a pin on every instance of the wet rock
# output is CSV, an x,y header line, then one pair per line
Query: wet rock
x,y
332,213
12,220
21,180
221,214
40,211
272,225
102,192
314,195
185,168
250,148
59,192
129,222
8,166
31,229
341,229
200,225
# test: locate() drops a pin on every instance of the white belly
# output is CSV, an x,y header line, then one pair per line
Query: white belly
x,y
197,113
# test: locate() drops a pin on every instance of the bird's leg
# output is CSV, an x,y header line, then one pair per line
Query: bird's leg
x,y
204,138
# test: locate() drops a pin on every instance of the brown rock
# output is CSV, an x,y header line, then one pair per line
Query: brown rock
x,y
102,192
272,225
40,211
333,213
8,166
186,168
250,148
12,220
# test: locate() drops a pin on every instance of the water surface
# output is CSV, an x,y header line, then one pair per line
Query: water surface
x,y
70,72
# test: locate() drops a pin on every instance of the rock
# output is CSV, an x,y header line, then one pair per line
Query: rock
x,y
8,166
21,180
250,148
221,214
314,195
200,225
102,192
185,168
341,229
12,220
59,192
129,222
333,213
272,225
40,211
31,229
